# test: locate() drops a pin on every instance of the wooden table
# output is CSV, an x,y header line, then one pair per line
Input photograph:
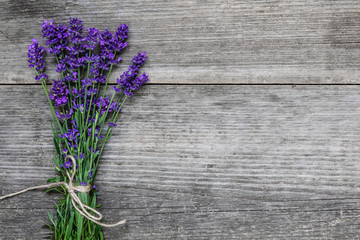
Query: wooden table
x,y
249,128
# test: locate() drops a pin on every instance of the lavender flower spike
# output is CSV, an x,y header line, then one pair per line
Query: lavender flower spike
x,y
111,124
59,93
76,30
36,59
55,36
129,79
139,59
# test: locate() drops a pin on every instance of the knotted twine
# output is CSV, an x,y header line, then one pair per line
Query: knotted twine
x,y
75,200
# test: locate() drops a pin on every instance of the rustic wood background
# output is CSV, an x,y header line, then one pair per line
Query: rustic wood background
x,y
249,128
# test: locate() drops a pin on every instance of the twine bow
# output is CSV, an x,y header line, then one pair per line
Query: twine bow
x,y
75,200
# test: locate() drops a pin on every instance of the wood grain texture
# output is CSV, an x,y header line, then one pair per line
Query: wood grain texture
x,y
201,162
265,41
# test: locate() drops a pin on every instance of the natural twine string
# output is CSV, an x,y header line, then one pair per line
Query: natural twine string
x,y
75,200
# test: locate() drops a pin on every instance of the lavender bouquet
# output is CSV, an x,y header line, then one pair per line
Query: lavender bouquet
x,y
82,116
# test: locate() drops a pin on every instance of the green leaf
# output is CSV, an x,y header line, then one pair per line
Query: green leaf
x,y
50,226
59,214
102,119
56,161
96,118
87,146
51,218
53,128
97,231
77,117
95,155
93,202
54,179
56,143
69,227
79,225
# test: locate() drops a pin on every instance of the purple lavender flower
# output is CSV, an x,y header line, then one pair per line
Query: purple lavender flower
x,y
80,107
93,150
107,53
105,38
55,36
110,45
36,59
71,77
72,134
95,188
86,82
101,79
96,134
89,131
117,89
139,59
58,93
91,39
92,91
139,81
119,37
68,164
76,30
62,65
73,122
73,145
127,76
64,116
129,79
90,174
83,183
95,65
36,56
41,76
128,92
111,124
103,104
71,137
122,32
78,94
78,61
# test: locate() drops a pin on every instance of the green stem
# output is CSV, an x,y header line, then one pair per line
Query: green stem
x,y
107,135
43,83
114,115
106,113
57,60
70,98
88,114
86,79
107,79
106,83
79,83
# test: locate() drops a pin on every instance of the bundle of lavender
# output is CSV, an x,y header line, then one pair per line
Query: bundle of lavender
x,y
82,116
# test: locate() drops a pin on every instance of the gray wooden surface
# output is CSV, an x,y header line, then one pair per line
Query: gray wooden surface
x,y
263,41
199,154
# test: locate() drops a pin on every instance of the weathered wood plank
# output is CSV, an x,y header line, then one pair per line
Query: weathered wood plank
x,y
262,41
202,162
276,224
